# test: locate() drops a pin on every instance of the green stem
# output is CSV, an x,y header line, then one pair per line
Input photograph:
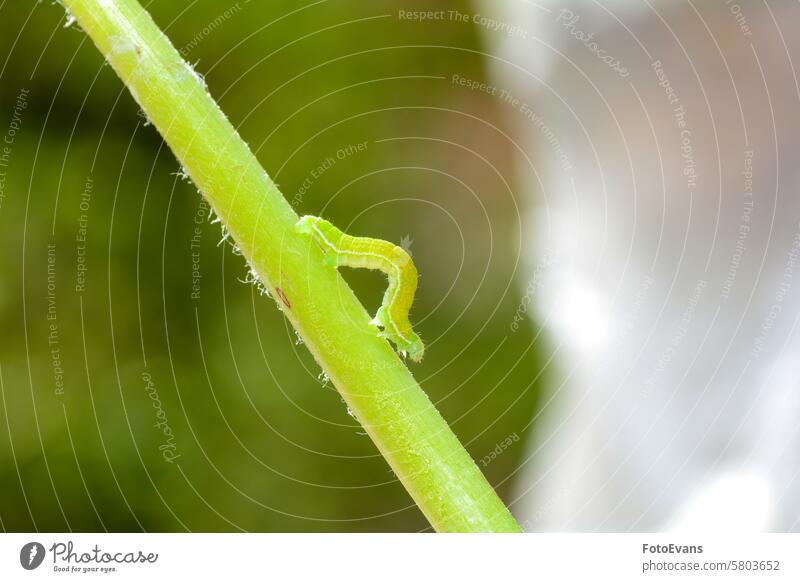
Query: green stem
x,y
412,436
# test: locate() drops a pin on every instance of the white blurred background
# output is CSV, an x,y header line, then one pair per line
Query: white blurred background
x,y
664,235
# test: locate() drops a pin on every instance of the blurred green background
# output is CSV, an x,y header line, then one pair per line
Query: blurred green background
x,y
260,442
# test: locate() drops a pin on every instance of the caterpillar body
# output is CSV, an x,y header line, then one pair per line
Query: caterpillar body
x,y
371,253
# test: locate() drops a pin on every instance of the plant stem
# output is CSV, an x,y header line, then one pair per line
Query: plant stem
x,y
407,429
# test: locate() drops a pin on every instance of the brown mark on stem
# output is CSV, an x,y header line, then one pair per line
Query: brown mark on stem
x,y
284,299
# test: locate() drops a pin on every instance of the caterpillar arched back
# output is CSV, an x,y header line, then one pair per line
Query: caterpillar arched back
x,y
371,253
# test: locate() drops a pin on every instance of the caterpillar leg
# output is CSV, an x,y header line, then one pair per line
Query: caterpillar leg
x,y
306,224
311,225
380,317
400,333
415,349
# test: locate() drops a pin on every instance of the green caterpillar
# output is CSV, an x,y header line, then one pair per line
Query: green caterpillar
x,y
371,253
